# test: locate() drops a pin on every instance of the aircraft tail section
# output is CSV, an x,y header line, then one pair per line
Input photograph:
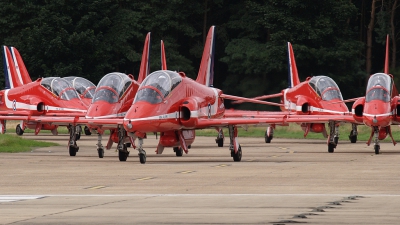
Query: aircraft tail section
x,y
293,76
163,58
20,66
145,63
206,71
12,79
386,69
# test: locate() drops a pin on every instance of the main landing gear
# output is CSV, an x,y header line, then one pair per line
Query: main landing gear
x,y
333,137
234,147
18,130
73,147
353,133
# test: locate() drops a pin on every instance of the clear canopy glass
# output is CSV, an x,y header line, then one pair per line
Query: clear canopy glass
x,y
379,87
112,87
60,87
157,86
83,86
326,88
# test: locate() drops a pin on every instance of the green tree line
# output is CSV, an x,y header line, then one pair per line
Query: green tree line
x,y
343,39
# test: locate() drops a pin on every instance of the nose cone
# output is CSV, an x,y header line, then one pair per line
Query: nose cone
x,y
102,109
145,117
377,113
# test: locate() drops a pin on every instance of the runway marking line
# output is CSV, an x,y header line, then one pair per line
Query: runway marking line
x,y
221,165
282,148
186,172
95,187
145,178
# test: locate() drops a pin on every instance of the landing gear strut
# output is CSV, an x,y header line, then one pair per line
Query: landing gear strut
x,y
73,147
142,153
234,147
123,153
353,133
333,136
377,147
220,138
269,134
100,147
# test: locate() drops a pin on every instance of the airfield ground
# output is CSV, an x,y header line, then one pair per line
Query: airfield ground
x,y
282,182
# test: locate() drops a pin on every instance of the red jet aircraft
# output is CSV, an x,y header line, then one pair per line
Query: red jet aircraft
x,y
175,105
318,95
46,96
380,107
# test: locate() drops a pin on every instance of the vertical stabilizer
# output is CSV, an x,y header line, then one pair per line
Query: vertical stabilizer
x,y
20,67
145,63
293,76
11,77
386,70
206,71
163,58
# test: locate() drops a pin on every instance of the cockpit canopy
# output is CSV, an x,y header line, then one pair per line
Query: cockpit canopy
x,y
83,86
60,87
112,87
379,87
325,87
157,86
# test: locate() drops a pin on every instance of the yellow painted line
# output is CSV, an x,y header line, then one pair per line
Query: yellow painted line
x,y
283,148
250,160
189,171
145,178
96,187
221,165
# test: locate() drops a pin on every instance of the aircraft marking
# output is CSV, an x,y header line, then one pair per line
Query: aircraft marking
x,y
145,178
186,172
95,187
15,198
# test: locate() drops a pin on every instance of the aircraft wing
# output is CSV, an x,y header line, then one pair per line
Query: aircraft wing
x,y
222,122
320,118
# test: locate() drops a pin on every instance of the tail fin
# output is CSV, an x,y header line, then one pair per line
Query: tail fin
x,y
145,63
163,58
293,75
20,66
206,71
12,79
386,69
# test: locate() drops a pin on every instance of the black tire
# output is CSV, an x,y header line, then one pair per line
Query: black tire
x,y
123,156
238,156
142,157
189,146
377,148
331,148
352,138
178,151
268,138
220,142
18,130
72,151
87,131
128,145
100,151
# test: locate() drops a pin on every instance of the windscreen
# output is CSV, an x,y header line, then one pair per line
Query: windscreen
x,y
157,86
59,87
326,88
379,87
112,87
83,86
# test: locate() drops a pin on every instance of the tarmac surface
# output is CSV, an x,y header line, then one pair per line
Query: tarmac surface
x,y
283,182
